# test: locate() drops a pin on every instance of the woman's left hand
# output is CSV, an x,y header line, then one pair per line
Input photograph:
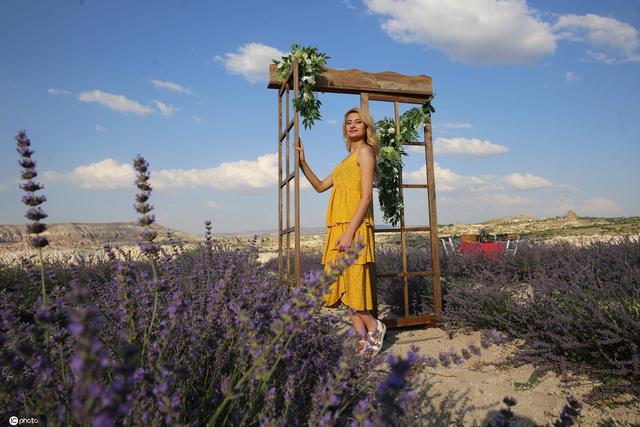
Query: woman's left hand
x,y
344,241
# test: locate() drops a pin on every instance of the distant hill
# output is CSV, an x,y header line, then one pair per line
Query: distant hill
x,y
549,227
570,224
83,234
122,233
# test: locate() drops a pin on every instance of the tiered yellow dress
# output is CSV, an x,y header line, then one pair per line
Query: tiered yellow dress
x,y
353,286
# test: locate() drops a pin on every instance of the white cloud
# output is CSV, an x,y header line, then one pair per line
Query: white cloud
x,y
493,200
212,205
473,31
259,173
572,77
100,128
174,87
600,206
332,122
595,206
251,61
502,31
166,110
348,4
58,92
198,119
467,146
115,102
526,181
106,174
452,125
616,41
109,174
449,181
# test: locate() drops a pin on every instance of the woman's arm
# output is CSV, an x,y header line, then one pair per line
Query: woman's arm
x,y
367,162
319,185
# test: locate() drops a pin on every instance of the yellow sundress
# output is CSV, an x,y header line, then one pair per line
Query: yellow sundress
x,y
353,286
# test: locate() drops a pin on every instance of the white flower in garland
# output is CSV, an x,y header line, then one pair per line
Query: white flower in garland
x,y
310,64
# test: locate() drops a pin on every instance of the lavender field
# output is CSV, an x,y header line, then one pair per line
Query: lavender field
x,y
211,336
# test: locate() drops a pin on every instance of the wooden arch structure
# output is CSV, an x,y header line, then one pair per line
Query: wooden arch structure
x,y
386,86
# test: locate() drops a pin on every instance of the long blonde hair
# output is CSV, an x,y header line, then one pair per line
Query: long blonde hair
x,y
372,139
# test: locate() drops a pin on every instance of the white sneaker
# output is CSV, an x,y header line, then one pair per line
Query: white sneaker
x,y
376,343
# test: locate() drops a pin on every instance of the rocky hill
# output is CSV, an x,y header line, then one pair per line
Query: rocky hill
x,y
546,228
125,233
81,234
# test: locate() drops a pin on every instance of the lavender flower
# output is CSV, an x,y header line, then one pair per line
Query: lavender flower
x,y
35,213
208,243
147,236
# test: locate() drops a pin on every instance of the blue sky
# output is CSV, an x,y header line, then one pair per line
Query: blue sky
x,y
537,104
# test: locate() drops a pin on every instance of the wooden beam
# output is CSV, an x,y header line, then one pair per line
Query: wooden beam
x,y
376,84
430,320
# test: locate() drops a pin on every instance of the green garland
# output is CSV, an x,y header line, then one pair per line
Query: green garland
x,y
310,64
390,164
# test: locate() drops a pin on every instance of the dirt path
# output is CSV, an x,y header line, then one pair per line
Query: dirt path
x,y
476,389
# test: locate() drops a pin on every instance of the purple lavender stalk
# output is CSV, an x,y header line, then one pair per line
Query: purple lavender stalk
x,y
147,236
29,172
34,213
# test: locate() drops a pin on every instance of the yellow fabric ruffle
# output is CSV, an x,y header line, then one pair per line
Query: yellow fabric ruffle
x,y
365,231
353,286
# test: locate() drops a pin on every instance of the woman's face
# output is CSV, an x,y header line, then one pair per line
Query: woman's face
x,y
355,127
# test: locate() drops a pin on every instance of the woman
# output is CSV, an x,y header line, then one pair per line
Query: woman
x,y
349,218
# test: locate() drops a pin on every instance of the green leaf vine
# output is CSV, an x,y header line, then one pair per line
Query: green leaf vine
x,y
310,62
391,151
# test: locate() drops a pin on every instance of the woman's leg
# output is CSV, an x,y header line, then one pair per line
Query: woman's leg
x,y
358,324
367,320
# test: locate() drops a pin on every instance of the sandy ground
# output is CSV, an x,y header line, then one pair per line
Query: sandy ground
x,y
475,390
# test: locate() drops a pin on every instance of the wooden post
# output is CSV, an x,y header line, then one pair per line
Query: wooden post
x,y
279,183
288,191
403,233
433,221
296,169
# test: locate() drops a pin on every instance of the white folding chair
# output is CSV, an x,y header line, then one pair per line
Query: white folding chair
x,y
447,245
512,244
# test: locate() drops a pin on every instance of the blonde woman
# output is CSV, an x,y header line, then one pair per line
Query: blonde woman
x,y
349,218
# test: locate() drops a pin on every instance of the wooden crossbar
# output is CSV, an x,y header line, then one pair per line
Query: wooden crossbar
x,y
396,98
401,229
407,274
284,134
385,86
412,321
284,86
288,231
287,179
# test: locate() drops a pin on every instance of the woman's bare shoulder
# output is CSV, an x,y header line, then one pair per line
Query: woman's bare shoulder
x,y
365,150
365,155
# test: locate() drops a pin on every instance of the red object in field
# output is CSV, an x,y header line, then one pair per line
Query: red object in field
x,y
488,249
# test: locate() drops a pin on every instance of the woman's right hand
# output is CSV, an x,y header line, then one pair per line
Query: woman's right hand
x,y
301,150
